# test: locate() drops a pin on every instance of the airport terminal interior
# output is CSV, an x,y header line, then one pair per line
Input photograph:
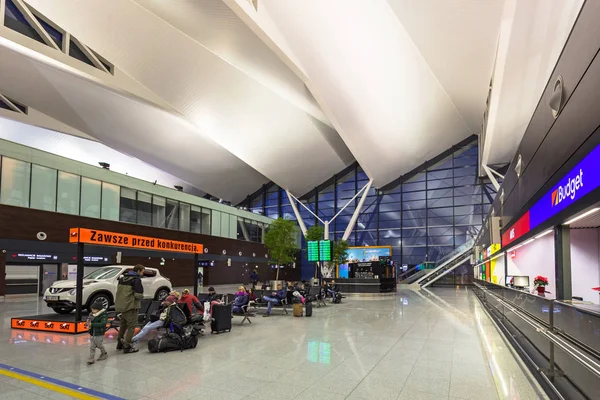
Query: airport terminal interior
x,y
300,199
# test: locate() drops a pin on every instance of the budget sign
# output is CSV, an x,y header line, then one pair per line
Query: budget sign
x,y
580,181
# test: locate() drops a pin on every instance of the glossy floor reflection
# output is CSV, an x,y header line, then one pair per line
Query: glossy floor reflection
x,y
435,344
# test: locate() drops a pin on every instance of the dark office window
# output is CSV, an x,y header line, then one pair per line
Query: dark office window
x,y
76,52
5,106
172,214
127,208
144,208
15,20
56,35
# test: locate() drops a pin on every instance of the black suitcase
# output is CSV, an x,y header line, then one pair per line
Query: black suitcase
x,y
221,314
308,309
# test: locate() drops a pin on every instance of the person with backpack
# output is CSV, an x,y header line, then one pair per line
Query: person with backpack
x,y
130,292
169,302
192,302
97,327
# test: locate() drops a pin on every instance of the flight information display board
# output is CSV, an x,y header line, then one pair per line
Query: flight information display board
x,y
325,250
319,250
313,251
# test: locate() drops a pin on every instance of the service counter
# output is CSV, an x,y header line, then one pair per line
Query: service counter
x,y
366,286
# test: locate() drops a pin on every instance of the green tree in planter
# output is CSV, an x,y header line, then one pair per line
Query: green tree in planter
x,y
280,240
339,253
315,233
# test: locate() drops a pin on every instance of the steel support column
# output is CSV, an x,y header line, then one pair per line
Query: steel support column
x,y
562,262
356,213
296,212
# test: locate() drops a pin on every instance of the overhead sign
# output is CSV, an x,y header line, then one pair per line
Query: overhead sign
x,y
34,257
518,229
104,238
578,182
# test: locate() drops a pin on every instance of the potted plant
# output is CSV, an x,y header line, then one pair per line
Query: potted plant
x,y
280,240
540,282
339,254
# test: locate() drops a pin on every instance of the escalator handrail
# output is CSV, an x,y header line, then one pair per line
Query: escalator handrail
x,y
446,263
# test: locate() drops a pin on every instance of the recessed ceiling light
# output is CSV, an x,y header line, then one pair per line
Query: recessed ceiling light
x,y
592,211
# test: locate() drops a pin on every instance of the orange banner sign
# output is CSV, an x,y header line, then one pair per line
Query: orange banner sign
x,y
48,326
104,238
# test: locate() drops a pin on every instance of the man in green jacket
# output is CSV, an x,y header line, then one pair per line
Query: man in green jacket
x,y
127,302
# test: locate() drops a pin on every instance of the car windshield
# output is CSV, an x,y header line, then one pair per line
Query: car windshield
x,y
103,273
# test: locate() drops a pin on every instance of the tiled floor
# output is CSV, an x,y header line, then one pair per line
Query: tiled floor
x,y
426,345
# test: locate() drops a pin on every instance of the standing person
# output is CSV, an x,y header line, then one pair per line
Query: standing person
x,y
277,297
254,278
200,278
97,327
127,302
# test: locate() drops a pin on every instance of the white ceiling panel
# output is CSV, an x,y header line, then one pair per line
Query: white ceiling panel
x,y
458,40
389,107
134,127
88,152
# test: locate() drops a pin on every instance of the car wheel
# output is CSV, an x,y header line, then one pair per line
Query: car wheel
x,y
62,310
161,294
103,298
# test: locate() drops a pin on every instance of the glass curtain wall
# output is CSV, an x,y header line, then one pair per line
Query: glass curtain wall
x,y
422,216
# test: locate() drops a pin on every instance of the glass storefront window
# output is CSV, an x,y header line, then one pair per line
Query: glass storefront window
x,y
127,205
144,208
91,193
196,219
68,193
43,188
158,211
110,201
15,182
172,221
206,221
184,217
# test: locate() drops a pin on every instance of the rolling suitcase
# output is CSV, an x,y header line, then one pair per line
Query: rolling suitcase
x,y
297,307
221,314
308,311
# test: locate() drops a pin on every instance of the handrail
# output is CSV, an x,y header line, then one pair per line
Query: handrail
x,y
443,265
447,271
460,249
571,346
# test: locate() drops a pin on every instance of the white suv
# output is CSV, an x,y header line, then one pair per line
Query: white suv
x,y
101,285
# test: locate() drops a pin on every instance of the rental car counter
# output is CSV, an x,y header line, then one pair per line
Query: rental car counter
x,y
368,278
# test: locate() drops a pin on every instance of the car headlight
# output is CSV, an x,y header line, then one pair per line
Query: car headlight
x,y
72,292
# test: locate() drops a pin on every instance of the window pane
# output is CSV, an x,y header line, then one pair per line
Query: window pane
x,y
206,221
127,205
68,193
172,214
15,182
158,211
196,219
90,197
43,188
110,201
144,208
184,217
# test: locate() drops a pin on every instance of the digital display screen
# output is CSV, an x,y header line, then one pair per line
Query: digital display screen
x,y
313,251
325,250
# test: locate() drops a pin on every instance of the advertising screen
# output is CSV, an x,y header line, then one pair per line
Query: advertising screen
x,y
364,254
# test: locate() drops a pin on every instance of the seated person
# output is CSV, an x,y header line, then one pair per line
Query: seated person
x,y
241,299
169,302
175,293
251,295
276,298
332,289
323,290
263,286
196,309
213,296
294,289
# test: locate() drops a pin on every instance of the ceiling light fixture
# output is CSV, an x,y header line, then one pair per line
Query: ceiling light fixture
x,y
544,233
592,211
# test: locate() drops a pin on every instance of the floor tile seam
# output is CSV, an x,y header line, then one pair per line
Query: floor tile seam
x,y
378,362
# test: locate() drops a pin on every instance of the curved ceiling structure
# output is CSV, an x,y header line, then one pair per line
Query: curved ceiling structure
x,y
226,96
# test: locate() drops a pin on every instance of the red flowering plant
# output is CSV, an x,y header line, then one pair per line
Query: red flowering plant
x,y
540,280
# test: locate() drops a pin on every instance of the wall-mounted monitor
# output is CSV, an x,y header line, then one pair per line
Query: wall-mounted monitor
x,y
521,281
364,254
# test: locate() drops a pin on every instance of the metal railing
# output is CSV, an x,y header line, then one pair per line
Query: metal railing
x,y
447,263
560,341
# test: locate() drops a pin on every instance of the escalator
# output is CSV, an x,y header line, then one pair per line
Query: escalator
x,y
447,264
